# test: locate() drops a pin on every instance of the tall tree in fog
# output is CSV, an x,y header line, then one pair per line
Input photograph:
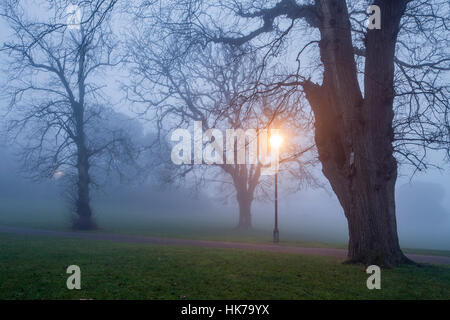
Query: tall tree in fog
x,y
177,89
56,54
379,96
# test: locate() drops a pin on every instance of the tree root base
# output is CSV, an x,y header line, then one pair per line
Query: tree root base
x,y
403,260
83,223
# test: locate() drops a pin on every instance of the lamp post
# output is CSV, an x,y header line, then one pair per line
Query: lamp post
x,y
276,233
275,142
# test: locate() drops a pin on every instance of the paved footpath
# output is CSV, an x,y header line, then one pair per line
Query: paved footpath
x,y
340,253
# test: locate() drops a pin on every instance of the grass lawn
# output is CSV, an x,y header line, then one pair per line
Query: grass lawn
x,y
44,216
194,231
34,267
248,236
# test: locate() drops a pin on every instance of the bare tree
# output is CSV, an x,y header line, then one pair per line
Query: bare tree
x,y
177,89
379,96
57,108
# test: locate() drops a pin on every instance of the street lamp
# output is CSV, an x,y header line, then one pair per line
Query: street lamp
x,y
275,142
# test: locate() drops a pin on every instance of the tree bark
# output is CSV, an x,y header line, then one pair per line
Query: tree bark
x,y
245,179
354,134
245,202
83,220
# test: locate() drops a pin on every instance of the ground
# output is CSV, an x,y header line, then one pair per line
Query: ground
x,y
34,267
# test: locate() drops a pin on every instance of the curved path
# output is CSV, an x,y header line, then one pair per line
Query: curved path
x,y
340,253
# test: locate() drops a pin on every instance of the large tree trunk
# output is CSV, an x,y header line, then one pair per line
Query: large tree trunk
x,y
354,133
83,219
245,203
245,179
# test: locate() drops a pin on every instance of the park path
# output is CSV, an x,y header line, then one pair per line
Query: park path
x,y
339,253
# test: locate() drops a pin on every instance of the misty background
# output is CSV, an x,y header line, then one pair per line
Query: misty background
x,y
423,208
423,201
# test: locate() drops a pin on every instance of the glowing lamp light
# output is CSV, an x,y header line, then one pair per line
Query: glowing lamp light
x,y
276,140
58,174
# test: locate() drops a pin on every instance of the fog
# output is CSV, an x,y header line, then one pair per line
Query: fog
x,y
423,202
423,209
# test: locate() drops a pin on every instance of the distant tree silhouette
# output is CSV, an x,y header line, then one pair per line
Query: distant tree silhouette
x,y
56,106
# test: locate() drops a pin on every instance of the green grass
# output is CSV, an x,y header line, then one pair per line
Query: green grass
x,y
216,233
174,228
33,267
51,216
234,235
199,231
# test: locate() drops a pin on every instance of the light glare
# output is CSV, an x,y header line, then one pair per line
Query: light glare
x,y
276,140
